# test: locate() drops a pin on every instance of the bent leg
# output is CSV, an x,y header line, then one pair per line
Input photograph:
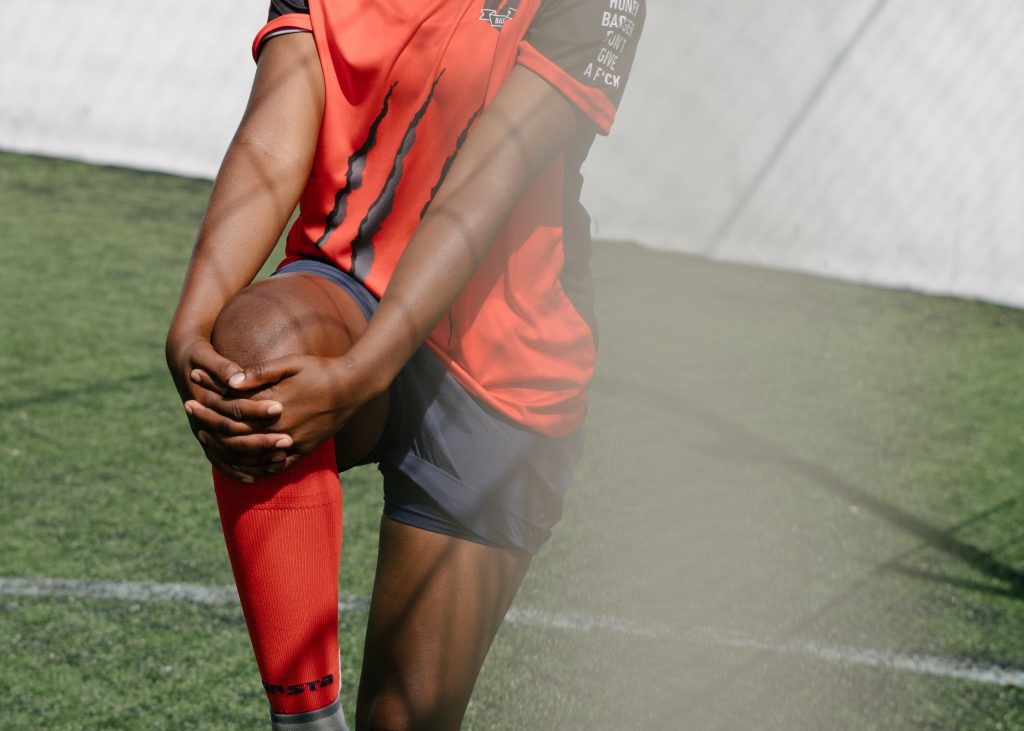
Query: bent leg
x,y
301,313
283,533
437,603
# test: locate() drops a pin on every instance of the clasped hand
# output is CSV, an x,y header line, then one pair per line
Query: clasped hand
x,y
259,420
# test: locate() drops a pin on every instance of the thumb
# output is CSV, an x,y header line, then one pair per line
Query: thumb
x,y
206,359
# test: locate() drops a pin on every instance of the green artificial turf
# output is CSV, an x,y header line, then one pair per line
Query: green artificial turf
x,y
771,459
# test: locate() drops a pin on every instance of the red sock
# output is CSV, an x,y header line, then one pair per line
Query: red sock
x,y
284,539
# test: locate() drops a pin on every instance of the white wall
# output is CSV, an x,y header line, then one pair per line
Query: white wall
x,y
875,140
158,84
870,140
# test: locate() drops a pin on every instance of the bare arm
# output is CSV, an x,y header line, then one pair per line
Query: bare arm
x,y
259,183
518,135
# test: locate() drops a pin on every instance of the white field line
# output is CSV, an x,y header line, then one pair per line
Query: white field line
x,y
143,591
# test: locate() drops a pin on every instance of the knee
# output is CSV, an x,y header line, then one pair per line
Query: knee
x,y
246,329
274,318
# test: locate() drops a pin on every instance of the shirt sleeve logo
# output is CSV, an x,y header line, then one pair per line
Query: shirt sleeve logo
x,y
493,13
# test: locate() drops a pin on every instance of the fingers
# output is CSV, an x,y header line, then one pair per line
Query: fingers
x,y
255,444
246,463
218,461
268,408
276,466
238,449
235,447
232,417
202,378
226,372
249,461
271,468
248,473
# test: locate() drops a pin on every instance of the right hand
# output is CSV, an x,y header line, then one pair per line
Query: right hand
x,y
233,432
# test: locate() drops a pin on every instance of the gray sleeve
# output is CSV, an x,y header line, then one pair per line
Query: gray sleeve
x,y
593,41
285,7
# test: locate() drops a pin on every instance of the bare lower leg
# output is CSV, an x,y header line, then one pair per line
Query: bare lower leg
x,y
437,603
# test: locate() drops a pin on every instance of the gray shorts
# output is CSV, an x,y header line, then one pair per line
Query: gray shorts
x,y
452,464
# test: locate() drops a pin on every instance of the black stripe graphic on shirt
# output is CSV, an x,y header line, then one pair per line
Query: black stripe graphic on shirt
x,y
451,158
362,244
354,175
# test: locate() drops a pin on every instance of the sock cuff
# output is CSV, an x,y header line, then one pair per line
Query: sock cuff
x,y
309,483
329,718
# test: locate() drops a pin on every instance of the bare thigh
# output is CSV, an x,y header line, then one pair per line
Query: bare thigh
x,y
437,603
306,314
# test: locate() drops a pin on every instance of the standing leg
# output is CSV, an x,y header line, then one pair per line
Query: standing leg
x,y
437,603
283,533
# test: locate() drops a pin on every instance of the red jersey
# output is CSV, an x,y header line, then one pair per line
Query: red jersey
x,y
405,81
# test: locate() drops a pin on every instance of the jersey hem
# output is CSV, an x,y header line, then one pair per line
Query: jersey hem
x,y
550,426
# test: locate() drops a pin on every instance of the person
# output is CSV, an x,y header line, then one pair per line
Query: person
x,y
433,314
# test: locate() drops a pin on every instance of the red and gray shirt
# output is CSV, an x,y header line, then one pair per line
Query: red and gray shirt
x,y
405,81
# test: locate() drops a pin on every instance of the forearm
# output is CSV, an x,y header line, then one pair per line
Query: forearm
x,y
245,216
525,127
259,183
